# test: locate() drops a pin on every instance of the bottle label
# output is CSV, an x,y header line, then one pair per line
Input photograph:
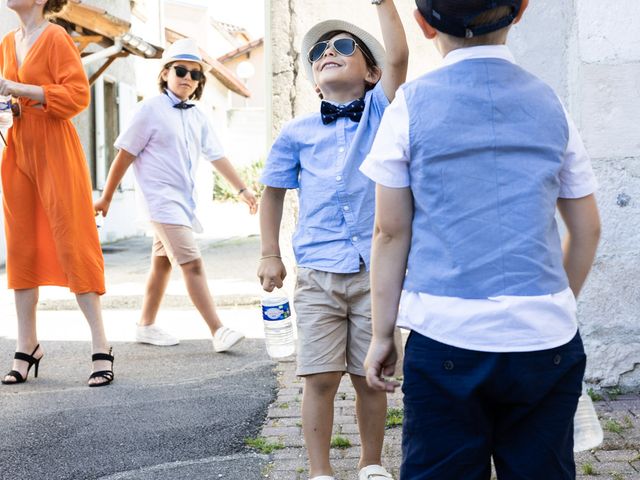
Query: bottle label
x,y
276,310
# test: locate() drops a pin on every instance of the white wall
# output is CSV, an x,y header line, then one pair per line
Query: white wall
x,y
589,52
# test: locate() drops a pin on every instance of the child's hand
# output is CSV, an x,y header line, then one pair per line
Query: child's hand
x,y
381,363
101,206
248,197
271,273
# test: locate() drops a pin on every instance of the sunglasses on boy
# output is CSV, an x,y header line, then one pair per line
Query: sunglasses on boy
x,y
181,72
344,46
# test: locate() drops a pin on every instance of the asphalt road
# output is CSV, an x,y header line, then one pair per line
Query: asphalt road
x,y
179,412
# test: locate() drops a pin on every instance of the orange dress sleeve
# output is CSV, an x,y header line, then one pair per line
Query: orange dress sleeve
x,y
68,94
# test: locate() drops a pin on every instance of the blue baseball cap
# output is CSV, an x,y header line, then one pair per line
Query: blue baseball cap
x,y
454,17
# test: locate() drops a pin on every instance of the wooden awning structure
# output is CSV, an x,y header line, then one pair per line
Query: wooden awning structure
x,y
91,25
242,50
218,70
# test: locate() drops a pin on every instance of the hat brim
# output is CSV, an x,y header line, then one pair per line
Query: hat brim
x,y
318,30
186,58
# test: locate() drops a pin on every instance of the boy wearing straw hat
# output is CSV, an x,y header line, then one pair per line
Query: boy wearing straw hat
x,y
164,140
319,154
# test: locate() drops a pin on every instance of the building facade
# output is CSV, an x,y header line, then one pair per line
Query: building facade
x,y
589,52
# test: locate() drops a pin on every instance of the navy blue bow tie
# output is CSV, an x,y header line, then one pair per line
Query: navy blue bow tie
x,y
183,105
331,112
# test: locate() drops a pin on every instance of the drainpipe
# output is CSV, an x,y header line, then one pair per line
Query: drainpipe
x,y
104,53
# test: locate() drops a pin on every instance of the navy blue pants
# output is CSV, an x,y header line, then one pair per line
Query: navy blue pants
x,y
462,407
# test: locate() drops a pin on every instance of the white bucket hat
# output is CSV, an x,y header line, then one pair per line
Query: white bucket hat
x,y
318,30
184,49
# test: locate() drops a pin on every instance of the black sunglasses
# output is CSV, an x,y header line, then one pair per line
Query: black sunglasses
x,y
181,72
344,46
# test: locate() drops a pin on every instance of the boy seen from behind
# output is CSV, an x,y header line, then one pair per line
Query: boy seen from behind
x,y
471,162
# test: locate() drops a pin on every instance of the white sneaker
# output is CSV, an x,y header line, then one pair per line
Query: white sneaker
x,y
374,472
154,335
225,338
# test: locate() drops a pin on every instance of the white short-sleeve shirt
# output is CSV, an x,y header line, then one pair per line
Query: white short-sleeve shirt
x,y
497,324
168,143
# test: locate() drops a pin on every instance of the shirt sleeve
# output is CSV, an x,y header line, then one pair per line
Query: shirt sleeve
x,y
282,167
211,147
135,137
69,94
577,179
388,161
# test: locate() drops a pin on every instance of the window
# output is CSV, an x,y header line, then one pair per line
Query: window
x,y
113,103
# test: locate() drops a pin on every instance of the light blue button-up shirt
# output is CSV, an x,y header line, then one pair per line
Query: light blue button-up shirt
x,y
337,201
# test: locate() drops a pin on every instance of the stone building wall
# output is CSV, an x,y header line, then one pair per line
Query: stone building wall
x,y
589,52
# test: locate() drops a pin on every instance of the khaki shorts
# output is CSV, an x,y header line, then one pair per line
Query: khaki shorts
x,y
175,242
333,313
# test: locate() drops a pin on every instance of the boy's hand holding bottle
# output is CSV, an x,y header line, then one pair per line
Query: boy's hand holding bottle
x,y
271,272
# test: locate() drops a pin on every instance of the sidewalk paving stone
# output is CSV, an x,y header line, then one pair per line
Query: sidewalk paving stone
x,y
618,458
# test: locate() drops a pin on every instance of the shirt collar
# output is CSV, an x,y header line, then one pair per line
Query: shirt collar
x,y
501,52
172,97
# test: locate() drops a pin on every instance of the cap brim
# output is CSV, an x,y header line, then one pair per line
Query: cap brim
x,y
318,30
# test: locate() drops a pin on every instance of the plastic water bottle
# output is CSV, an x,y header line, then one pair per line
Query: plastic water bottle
x,y
278,330
587,431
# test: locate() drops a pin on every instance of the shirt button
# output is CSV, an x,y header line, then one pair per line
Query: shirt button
x,y
341,149
354,238
448,365
338,178
557,359
346,208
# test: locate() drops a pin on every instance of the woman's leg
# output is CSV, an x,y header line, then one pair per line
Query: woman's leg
x,y
26,304
89,303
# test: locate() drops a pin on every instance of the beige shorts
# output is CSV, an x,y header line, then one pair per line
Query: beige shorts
x,y
175,242
333,313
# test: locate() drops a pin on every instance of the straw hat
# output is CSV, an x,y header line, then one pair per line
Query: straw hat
x,y
184,49
317,31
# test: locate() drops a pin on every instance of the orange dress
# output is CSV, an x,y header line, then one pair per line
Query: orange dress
x,y
48,206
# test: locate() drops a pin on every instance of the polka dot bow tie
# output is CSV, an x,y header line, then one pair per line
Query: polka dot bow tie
x,y
331,112
183,105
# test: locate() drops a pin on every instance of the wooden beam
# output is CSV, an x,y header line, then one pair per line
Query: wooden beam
x,y
94,19
83,41
106,65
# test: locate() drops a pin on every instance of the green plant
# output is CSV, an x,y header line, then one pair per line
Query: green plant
x,y
588,469
263,445
340,442
617,476
595,396
250,175
613,426
283,405
394,417
614,392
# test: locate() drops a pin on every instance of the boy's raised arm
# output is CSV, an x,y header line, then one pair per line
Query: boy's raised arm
x,y
394,73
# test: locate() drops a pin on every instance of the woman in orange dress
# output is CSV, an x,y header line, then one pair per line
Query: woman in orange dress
x,y
49,218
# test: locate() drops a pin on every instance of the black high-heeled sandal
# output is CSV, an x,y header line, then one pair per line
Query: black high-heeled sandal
x,y
106,374
31,360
